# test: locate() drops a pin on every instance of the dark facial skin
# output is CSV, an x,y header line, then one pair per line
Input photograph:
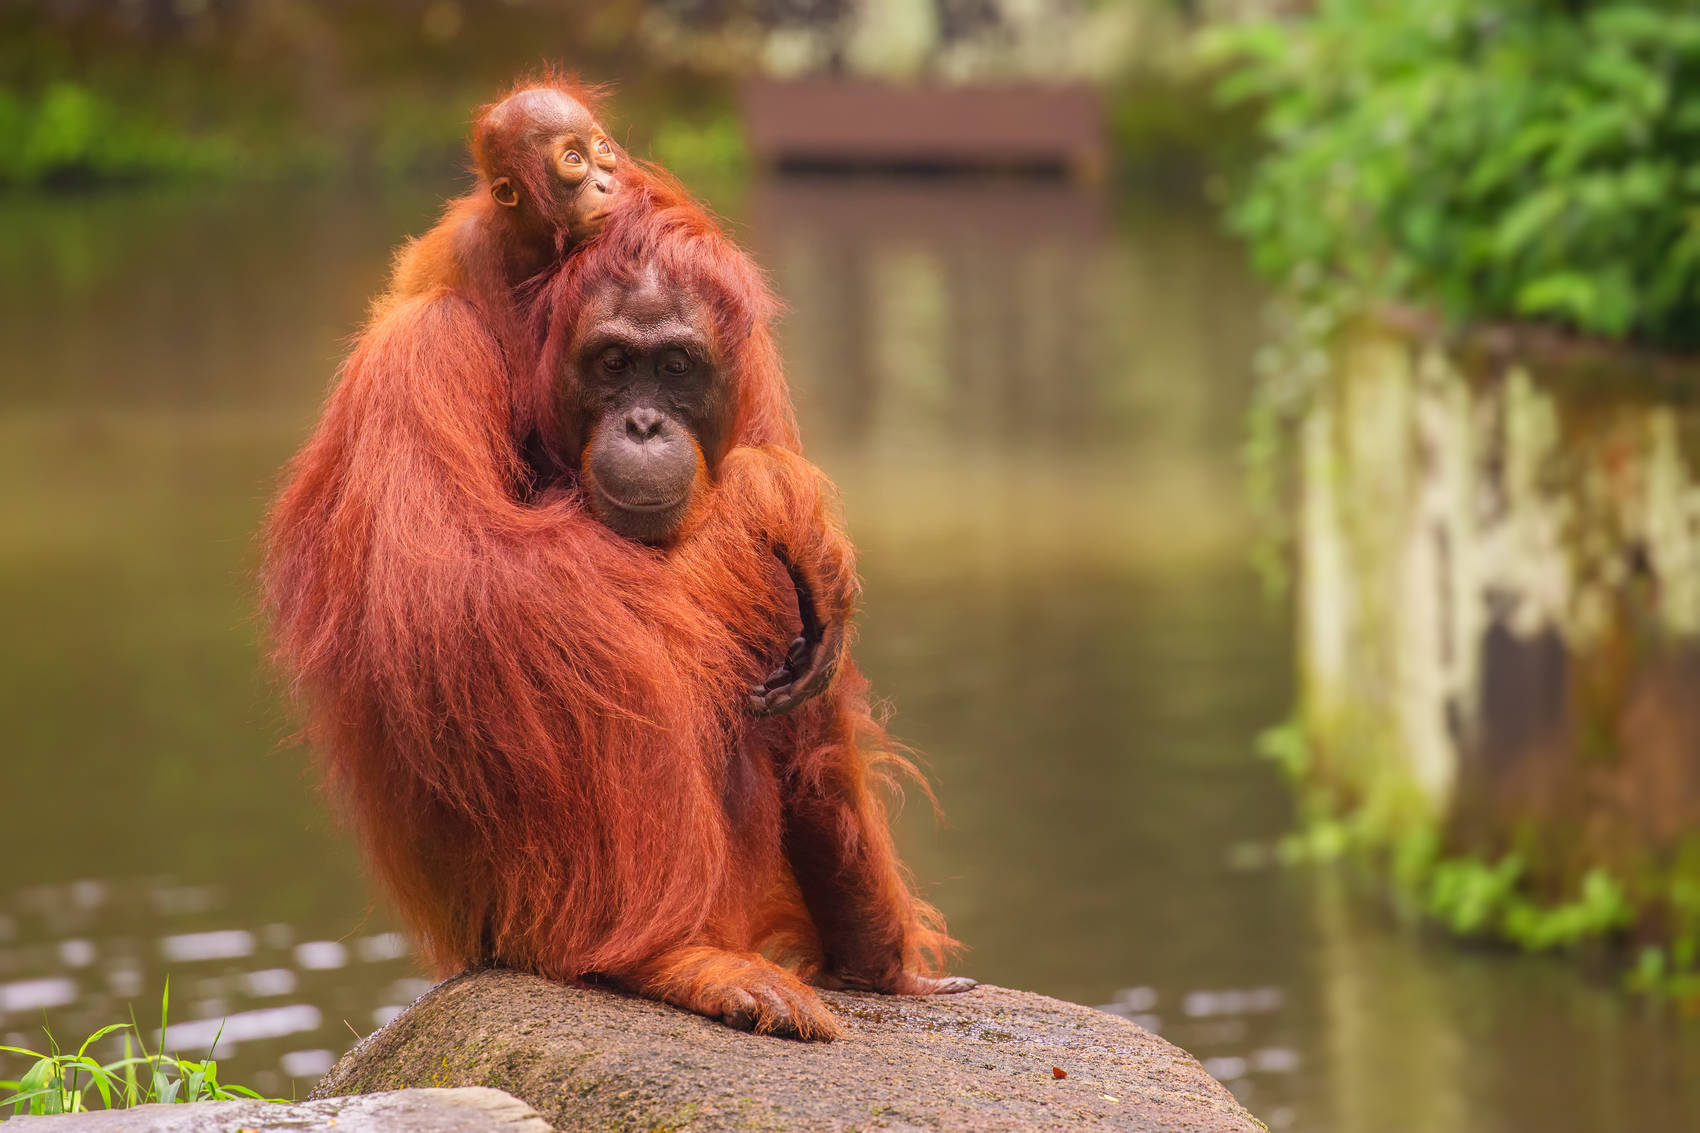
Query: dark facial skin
x,y
647,406
549,164
650,404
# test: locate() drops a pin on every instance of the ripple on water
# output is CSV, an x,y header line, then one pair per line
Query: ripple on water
x,y
226,982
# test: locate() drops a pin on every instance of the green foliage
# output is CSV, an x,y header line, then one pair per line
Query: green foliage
x,y
1470,897
1285,746
706,150
1601,909
69,132
1467,895
1515,158
1486,899
60,1082
361,89
1673,968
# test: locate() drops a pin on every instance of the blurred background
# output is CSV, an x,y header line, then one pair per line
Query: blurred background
x,y
1420,488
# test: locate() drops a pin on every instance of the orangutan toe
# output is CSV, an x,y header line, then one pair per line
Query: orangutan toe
x,y
791,1009
737,1009
902,983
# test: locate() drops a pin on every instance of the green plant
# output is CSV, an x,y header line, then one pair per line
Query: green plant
x,y
60,1082
1467,895
1516,158
1599,911
1285,746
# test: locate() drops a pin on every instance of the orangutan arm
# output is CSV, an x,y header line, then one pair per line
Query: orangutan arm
x,y
769,497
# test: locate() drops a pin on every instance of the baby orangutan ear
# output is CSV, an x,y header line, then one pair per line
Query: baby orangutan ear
x,y
504,192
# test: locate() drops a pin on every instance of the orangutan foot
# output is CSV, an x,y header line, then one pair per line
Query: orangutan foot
x,y
746,992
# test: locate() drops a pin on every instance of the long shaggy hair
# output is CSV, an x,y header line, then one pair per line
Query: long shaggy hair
x,y
537,727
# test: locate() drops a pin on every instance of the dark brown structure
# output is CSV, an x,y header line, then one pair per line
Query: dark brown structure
x,y
841,124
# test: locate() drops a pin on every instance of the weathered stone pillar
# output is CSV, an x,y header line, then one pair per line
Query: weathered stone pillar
x,y
1499,605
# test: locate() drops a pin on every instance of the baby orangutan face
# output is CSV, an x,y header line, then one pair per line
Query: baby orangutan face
x,y
549,162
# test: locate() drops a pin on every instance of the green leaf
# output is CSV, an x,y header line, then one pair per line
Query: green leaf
x,y
98,1035
1529,219
1536,160
1562,293
33,1102
104,1080
132,1090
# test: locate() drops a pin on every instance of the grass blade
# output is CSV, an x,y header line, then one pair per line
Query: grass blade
x,y
219,1035
130,1093
98,1035
104,1079
22,1103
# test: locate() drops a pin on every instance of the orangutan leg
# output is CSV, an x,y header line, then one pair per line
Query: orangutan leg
x,y
875,934
872,929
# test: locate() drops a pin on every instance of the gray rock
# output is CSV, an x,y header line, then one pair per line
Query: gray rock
x,y
411,1111
982,1060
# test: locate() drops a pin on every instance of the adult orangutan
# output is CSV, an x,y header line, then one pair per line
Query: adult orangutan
x,y
531,679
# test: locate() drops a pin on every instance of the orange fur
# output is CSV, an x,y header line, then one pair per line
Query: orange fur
x,y
536,726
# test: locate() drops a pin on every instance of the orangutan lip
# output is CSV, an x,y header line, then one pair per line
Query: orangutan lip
x,y
642,507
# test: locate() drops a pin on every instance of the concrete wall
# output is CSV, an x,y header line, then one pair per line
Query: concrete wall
x,y
1499,562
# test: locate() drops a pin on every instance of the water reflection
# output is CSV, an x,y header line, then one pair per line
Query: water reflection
x,y
1031,399
268,999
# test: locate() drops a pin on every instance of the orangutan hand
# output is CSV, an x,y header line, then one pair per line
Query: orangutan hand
x,y
813,656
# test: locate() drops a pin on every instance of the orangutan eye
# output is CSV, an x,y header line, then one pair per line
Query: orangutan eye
x,y
603,149
572,158
613,361
677,364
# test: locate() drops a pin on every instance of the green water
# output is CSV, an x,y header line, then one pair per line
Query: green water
x,y
1031,398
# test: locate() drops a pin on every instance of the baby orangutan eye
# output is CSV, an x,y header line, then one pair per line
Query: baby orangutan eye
x,y
603,149
571,157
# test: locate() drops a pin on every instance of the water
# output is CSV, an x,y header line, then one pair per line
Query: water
x,y
1031,398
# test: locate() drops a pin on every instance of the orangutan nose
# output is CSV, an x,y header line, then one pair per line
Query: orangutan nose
x,y
644,423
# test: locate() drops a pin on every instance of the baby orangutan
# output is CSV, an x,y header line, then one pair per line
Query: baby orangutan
x,y
547,176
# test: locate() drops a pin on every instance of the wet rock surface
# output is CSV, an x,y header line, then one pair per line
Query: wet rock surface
x,y
412,1111
982,1060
